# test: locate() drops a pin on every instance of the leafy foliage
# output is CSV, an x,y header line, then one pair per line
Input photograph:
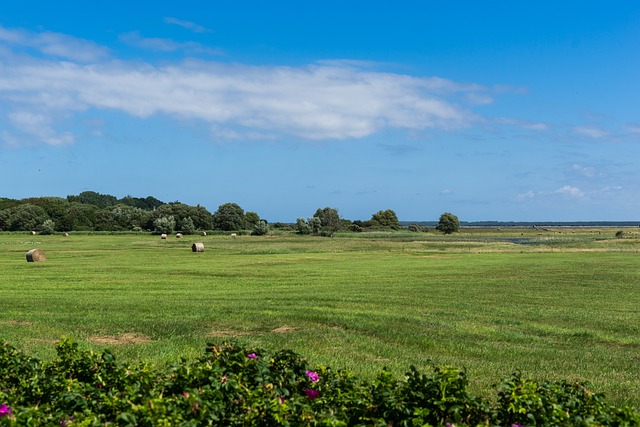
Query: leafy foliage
x,y
164,224
448,223
386,219
302,226
229,217
91,211
48,227
416,228
329,221
232,385
260,229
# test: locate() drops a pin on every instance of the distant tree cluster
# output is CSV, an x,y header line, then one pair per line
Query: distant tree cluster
x,y
91,211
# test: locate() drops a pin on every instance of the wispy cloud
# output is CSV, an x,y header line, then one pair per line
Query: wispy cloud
x,y
312,102
53,44
191,26
570,191
591,131
566,191
165,45
330,100
36,126
633,129
524,124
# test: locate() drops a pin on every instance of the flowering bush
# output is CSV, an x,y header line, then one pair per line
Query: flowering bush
x,y
232,385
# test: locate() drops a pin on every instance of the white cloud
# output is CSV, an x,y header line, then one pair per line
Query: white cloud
x,y
565,191
191,26
590,131
37,126
526,196
165,45
312,102
634,129
570,191
584,171
335,99
536,126
54,44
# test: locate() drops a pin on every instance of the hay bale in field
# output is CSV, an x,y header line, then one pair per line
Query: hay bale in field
x,y
197,247
36,255
179,236
203,233
163,236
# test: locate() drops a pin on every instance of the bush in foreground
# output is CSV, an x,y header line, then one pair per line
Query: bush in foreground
x,y
232,385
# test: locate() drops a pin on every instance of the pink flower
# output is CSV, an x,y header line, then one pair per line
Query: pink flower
x,y
5,410
281,399
185,394
252,356
313,376
311,393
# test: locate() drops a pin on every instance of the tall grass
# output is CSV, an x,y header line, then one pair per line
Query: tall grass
x,y
561,306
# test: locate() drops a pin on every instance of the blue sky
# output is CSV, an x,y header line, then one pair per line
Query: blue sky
x,y
495,110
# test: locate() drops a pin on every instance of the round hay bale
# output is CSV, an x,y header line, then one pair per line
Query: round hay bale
x,y
204,233
179,236
36,255
163,236
197,247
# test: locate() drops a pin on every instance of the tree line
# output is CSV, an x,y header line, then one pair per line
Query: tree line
x,y
92,211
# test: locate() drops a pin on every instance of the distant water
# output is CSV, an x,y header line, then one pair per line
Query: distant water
x,y
527,224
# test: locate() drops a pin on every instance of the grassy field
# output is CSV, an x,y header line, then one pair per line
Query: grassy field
x,y
555,304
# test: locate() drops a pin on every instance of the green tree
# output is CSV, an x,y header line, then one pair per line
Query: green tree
x,y
5,215
302,226
251,219
315,224
386,219
329,220
448,223
148,204
187,226
78,217
93,198
48,227
55,207
200,217
104,221
260,229
8,203
127,217
229,217
26,217
164,224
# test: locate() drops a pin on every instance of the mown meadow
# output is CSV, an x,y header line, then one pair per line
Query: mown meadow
x,y
553,304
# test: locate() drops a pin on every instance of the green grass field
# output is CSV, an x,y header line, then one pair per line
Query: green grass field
x,y
556,305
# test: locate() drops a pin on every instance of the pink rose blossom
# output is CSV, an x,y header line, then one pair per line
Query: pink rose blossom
x,y
5,410
311,393
313,376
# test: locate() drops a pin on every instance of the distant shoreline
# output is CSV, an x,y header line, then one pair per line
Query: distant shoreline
x,y
531,224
